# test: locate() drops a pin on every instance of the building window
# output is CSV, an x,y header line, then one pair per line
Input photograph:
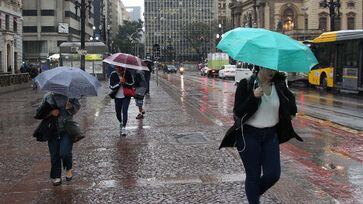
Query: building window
x,y
323,21
351,23
337,23
15,26
30,13
47,12
49,29
306,23
288,17
30,29
350,5
7,19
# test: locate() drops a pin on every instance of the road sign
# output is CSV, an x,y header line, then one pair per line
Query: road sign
x,y
82,52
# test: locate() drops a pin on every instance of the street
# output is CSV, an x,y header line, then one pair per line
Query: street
x,y
172,156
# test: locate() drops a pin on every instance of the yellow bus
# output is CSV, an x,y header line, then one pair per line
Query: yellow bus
x,y
340,57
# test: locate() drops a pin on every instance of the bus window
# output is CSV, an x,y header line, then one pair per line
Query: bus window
x,y
324,54
351,54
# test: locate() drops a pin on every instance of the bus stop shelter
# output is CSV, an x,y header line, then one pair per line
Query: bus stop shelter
x,y
96,51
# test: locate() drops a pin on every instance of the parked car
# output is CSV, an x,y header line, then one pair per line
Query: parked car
x,y
170,69
204,71
228,71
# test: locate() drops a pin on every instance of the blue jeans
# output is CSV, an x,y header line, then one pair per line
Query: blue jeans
x,y
262,152
60,149
122,108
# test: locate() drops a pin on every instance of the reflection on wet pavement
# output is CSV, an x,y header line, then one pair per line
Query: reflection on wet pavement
x,y
172,155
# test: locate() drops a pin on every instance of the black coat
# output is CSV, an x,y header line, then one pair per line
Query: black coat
x,y
115,82
246,104
47,128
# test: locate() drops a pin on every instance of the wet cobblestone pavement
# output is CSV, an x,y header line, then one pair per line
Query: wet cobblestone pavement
x,y
171,156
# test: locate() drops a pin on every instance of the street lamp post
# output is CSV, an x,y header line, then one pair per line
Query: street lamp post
x,y
334,6
108,39
83,6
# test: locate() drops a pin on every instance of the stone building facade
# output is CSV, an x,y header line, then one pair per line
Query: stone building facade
x,y
11,50
301,19
49,23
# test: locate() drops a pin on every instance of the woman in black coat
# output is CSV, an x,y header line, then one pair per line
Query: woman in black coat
x,y
263,110
120,79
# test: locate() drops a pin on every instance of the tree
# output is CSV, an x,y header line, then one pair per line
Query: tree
x,y
198,35
129,36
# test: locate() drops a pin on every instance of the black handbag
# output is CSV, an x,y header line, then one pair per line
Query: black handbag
x,y
46,129
73,130
112,94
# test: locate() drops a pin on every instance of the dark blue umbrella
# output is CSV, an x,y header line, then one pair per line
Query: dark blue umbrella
x,y
68,81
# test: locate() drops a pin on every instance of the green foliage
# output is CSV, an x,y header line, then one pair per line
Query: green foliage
x,y
128,35
196,34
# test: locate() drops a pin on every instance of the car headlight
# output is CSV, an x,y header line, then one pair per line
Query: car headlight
x,y
181,69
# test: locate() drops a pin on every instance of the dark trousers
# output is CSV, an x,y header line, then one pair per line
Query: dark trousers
x,y
262,152
122,108
60,149
147,79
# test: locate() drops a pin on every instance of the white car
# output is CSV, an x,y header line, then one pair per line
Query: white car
x,y
242,73
228,71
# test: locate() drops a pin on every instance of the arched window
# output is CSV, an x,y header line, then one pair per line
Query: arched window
x,y
351,21
323,21
288,19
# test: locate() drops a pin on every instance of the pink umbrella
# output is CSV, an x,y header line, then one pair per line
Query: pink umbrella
x,y
127,61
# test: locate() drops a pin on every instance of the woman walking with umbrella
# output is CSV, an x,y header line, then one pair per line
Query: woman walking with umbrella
x,y
119,79
65,84
263,106
60,144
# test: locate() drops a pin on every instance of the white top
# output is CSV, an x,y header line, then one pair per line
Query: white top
x,y
267,114
120,93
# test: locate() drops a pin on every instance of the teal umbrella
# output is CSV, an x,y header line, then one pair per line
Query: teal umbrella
x,y
267,49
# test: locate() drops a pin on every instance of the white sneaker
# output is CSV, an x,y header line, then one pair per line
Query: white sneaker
x,y
123,132
57,182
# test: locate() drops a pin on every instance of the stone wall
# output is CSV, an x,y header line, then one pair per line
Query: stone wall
x,y
12,82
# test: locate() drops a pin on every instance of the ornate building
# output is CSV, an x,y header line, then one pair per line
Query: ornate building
x,y
11,49
300,19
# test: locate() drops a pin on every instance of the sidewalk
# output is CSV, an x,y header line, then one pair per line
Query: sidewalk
x,y
171,156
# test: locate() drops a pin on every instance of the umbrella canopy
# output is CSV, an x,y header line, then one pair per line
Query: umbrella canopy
x,y
267,49
127,61
68,81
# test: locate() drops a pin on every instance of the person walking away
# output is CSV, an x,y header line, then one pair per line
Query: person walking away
x,y
120,78
141,87
147,77
60,144
263,110
33,72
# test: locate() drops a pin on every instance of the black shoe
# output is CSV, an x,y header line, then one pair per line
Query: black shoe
x,y
139,116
